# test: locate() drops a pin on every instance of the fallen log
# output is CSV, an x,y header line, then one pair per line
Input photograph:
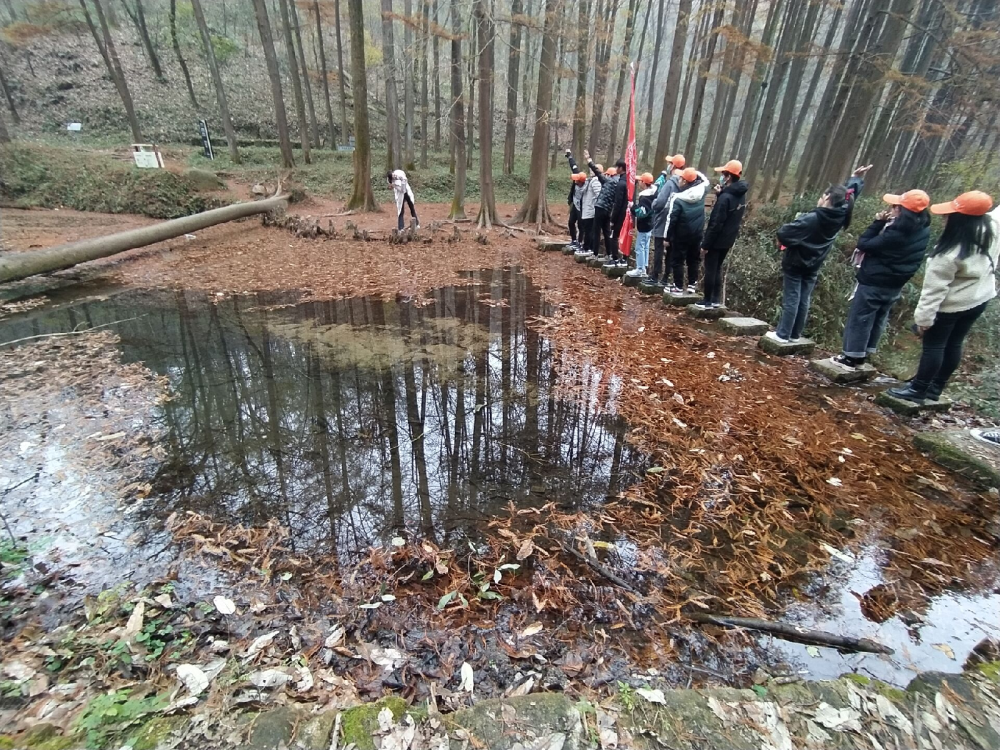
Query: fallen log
x,y
15,266
794,633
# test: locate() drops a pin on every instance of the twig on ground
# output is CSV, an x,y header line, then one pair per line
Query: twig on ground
x,y
793,633
611,576
69,333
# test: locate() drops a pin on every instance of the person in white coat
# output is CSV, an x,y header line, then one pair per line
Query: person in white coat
x,y
404,196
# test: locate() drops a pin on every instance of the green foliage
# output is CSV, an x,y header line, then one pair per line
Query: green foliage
x,y
224,48
47,177
12,554
111,713
626,696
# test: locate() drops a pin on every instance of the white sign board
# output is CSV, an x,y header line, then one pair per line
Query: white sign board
x,y
146,159
74,127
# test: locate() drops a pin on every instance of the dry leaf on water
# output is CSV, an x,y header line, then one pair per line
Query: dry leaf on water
x,y
533,629
945,649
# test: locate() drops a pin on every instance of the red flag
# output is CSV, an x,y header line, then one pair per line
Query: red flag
x,y
625,236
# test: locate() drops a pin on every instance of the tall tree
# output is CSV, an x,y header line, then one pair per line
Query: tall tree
x,y
623,68
306,83
138,16
730,81
176,44
408,108
437,83
115,69
513,68
9,96
362,198
652,80
605,40
758,80
324,72
483,10
535,209
394,157
582,69
425,31
673,80
293,73
220,90
638,57
4,137
457,116
704,68
274,76
344,131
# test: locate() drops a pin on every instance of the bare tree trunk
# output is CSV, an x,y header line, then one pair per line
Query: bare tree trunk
x,y
457,116
175,42
408,108
4,134
723,117
344,130
362,197
527,57
705,67
557,106
116,71
756,91
513,68
438,119
487,202
138,17
470,130
582,71
321,48
220,90
394,157
535,209
692,65
293,73
617,104
425,30
273,74
310,103
638,58
647,131
673,80
14,116
98,39
606,37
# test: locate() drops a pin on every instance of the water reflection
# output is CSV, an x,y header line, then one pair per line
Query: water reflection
x,y
355,420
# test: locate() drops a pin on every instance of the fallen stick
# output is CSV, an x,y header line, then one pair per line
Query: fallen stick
x,y
793,633
614,578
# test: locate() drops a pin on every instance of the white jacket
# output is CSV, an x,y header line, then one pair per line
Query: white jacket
x,y
694,194
954,285
400,188
591,189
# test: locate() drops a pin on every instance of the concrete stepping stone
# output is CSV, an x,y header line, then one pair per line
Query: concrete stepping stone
x,y
647,286
614,272
597,261
550,244
910,409
838,373
631,280
706,313
582,257
959,451
568,249
680,300
802,346
743,326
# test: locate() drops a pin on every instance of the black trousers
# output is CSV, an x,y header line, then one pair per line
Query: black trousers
x,y
658,267
685,253
574,223
942,349
602,228
413,212
714,259
586,228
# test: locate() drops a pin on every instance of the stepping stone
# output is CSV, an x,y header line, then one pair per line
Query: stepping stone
x,y
840,374
802,346
631,280
706,313
548,244
597,261
680,300
910,409
959,451
568,249
743,326
648,287
614,272
582,257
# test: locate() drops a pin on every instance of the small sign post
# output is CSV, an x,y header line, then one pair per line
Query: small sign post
x,y
206,140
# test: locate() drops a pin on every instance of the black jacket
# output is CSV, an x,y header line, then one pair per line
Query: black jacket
x,y
808,238
642,209
727,215
686,214
606,198
893,253
621,203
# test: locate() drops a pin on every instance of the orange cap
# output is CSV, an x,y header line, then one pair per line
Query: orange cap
x,y
974,203
646,178
733,166
578,177
689,175
678,161
914,200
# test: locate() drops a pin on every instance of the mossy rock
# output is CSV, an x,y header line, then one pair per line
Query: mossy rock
x,y
6,743
858,679
358,724
153,733
990,670
492,724
942,447
273,729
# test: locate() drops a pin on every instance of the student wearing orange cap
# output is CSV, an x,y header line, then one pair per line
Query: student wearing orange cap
x,y
684,228
889,252
575,201
666,185
723,228
642,210
603,209
959,282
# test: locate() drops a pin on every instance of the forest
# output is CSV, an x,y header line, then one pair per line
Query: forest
x,y
799,90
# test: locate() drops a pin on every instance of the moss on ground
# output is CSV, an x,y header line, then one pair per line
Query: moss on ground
x,y
151,734
359,723
951,456
990,670
858,679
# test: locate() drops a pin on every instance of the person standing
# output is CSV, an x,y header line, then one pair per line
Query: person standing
x,y
723,228
590,189
575,202
684,227
403,194
603,208
620,208
642,210
889,252
666,184
959,282
805,243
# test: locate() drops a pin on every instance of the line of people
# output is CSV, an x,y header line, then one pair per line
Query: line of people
x,y
959,278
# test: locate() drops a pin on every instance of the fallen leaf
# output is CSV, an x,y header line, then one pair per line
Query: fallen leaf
x,y
835,482
388,658
269,678
525,550
834,552
224,605
398,541
465,686
193,678
373,605
134,625
653,696
388,598
945,649
533,629
260,643
335,637
812,651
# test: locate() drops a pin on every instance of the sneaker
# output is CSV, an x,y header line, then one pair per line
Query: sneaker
x,y
692,289
715,305
676,289
773,335
634,272
991,436
851,363
622,262
703,305
908,394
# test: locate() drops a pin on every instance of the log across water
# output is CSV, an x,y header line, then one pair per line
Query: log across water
x,y
15,266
